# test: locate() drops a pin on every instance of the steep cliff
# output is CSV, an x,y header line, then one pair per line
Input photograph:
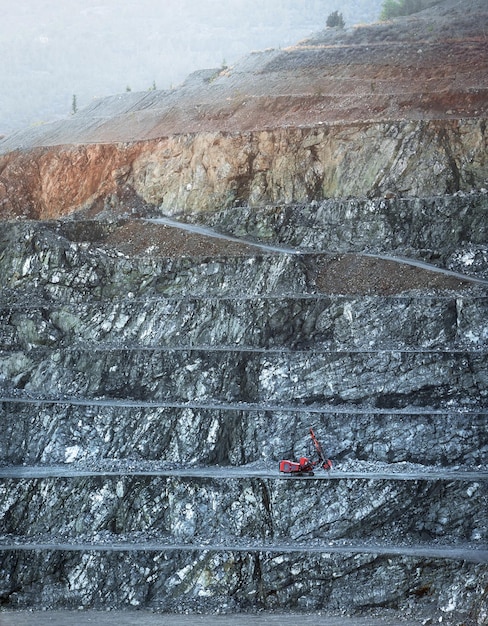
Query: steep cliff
x,y
147,396
153,372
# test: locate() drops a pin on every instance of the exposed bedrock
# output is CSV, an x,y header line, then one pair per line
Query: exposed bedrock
x,y
300,165
201,509
382,379
126,359
450,231
198,172
228,581
135,258
87,265
153,374
408,322
53,433
120,354
296,165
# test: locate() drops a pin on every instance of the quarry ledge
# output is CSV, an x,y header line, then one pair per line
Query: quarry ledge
x,y
105,543
350,469
17,397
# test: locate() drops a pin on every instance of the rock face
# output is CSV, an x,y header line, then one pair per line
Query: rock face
x,y
152,376
198,172
147,399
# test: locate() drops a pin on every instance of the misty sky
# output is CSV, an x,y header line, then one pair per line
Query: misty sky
x,y
54,49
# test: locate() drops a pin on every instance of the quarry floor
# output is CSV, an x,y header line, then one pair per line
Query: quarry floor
x,y
140,618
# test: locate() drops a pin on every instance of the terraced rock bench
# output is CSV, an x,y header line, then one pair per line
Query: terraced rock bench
x,y
146,400
207,540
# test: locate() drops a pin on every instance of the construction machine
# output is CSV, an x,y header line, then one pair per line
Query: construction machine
x,y
305,466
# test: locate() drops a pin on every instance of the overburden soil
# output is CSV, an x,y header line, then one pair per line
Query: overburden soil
x,y
431,65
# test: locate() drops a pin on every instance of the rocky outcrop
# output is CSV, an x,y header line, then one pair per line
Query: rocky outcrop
x,y
184,580
194,173
448,231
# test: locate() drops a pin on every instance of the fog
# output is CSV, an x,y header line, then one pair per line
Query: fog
x,y
55,50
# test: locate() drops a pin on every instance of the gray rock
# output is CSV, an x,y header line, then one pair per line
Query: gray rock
x,y
151,398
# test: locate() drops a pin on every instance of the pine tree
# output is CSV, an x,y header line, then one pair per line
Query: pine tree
x,y
335,20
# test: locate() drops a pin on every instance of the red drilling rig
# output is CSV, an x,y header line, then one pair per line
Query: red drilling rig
x,y
305,466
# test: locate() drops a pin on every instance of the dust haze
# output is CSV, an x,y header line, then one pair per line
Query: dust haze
x,y
59,56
